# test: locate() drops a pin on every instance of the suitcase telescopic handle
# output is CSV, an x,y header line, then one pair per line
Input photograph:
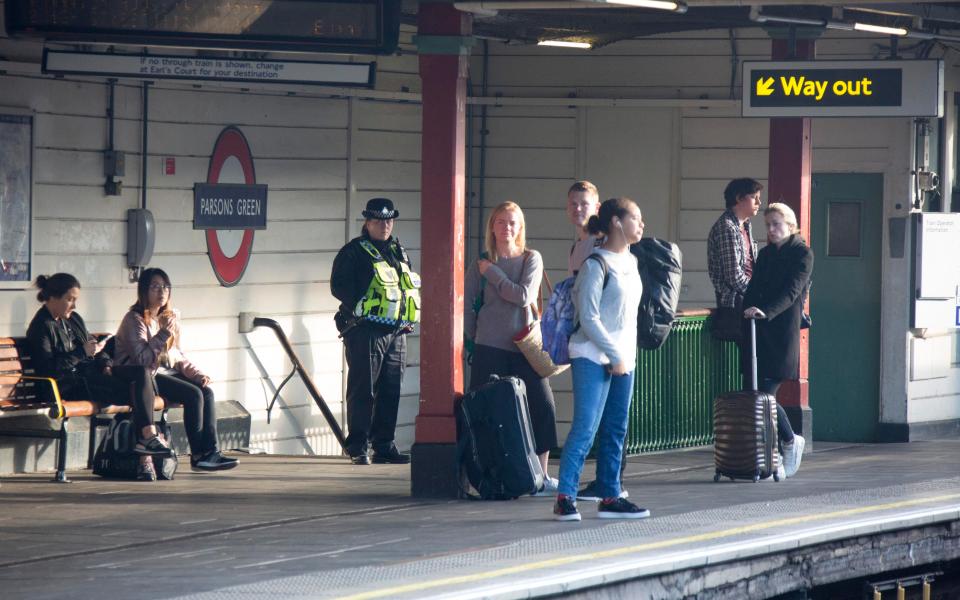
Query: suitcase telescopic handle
x,y
753,350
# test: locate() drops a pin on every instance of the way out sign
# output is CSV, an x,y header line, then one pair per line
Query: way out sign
x,y
875,88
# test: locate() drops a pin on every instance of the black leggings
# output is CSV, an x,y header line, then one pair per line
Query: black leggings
x,y
488,360
199,410
110,389
784,430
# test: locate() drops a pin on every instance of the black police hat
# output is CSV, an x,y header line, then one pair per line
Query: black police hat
x,y
380,208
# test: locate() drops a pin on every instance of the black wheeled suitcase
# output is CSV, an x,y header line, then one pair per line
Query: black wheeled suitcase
x,y
745,428
495,441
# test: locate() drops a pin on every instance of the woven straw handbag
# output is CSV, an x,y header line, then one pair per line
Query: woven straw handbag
x,y
530,340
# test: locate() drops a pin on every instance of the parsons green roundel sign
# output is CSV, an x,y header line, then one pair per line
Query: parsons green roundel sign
x,y
230,206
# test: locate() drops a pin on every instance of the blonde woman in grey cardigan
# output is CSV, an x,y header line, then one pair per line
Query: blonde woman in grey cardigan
x,y
603,354
503,285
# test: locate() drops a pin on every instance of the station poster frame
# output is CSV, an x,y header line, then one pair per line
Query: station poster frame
x,y
17,160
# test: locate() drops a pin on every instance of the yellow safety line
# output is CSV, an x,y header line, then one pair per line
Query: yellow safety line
x,y
554,562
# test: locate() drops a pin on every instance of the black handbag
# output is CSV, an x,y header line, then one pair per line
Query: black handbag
x,y
726,324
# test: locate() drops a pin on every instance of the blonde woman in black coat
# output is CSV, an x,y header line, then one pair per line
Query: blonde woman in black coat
x,y
775,297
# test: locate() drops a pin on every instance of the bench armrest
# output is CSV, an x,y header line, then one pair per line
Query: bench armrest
x,y
56,394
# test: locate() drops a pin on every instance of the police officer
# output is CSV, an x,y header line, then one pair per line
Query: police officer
x,y
379,303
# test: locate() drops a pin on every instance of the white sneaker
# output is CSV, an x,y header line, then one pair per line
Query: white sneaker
x,y
793,455
549,488
781,473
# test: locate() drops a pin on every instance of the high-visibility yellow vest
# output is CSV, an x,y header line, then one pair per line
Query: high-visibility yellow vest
x,y
393,297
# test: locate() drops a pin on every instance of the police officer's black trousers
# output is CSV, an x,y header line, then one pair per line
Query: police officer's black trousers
x,y
375,359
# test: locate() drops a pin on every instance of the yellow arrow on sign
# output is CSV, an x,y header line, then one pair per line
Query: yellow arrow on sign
x,y
765,86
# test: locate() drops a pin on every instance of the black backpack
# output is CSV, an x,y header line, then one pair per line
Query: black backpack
x,y
661,269
115,458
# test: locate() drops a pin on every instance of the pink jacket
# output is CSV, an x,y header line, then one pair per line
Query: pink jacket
x,y
138,344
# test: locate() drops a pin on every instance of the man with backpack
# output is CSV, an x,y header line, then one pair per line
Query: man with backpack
x,y
583,201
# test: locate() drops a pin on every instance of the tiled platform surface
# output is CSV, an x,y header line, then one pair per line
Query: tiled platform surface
x,y
297,527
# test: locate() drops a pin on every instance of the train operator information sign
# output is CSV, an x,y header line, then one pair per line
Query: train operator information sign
x,y
207,68
229,206
875,88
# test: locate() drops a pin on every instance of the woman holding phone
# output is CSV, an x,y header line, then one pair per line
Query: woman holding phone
x,y
149,336
62,348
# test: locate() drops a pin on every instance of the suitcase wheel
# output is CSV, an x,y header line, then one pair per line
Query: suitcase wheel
x,y
716,477
756,477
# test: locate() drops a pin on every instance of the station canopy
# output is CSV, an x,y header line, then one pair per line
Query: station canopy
x,y
603,22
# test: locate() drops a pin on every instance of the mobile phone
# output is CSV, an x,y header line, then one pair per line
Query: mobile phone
x,y
104,337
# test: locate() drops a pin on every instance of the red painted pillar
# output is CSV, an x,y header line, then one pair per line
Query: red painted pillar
x,y
789,178
443,43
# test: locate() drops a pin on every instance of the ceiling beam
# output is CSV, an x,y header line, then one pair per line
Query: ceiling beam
x,y
492,6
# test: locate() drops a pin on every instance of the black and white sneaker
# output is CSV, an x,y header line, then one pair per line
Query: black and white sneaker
x,y
565,509
620,508
155,446
214,461
590,493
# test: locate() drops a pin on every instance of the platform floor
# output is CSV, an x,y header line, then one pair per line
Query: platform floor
x,y
298,527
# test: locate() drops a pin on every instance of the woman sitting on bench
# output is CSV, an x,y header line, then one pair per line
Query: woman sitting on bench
x,y
62,348
149,336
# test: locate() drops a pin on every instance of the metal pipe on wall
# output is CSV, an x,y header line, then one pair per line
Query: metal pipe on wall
x,y
110,112
143,150
481,189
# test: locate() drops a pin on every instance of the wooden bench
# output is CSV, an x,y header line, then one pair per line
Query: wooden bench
x,y
22,392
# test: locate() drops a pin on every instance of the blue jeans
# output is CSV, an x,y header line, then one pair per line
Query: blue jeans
x,y
601,403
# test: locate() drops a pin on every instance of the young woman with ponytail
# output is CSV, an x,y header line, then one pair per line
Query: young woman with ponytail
x,y
603,353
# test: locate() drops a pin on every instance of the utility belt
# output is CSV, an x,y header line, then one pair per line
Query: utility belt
x,y
393,297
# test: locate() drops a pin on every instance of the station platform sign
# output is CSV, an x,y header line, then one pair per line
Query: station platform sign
x,y
874,88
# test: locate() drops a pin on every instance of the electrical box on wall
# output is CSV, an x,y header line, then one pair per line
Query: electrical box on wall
x,y
114,163
114,166
141,235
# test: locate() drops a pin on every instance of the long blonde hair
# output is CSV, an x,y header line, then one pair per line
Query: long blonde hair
x,y
491,240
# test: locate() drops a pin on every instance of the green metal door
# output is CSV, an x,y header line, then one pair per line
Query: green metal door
x,y
845,306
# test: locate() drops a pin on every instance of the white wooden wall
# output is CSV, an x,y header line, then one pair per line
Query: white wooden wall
x,y
322,158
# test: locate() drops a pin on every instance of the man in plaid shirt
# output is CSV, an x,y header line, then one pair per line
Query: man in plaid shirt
x,y
731,252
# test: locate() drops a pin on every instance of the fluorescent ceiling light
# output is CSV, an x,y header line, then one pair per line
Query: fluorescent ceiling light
x,y
563,44
660,4
879,29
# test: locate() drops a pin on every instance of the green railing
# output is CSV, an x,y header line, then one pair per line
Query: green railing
x,y
675,385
